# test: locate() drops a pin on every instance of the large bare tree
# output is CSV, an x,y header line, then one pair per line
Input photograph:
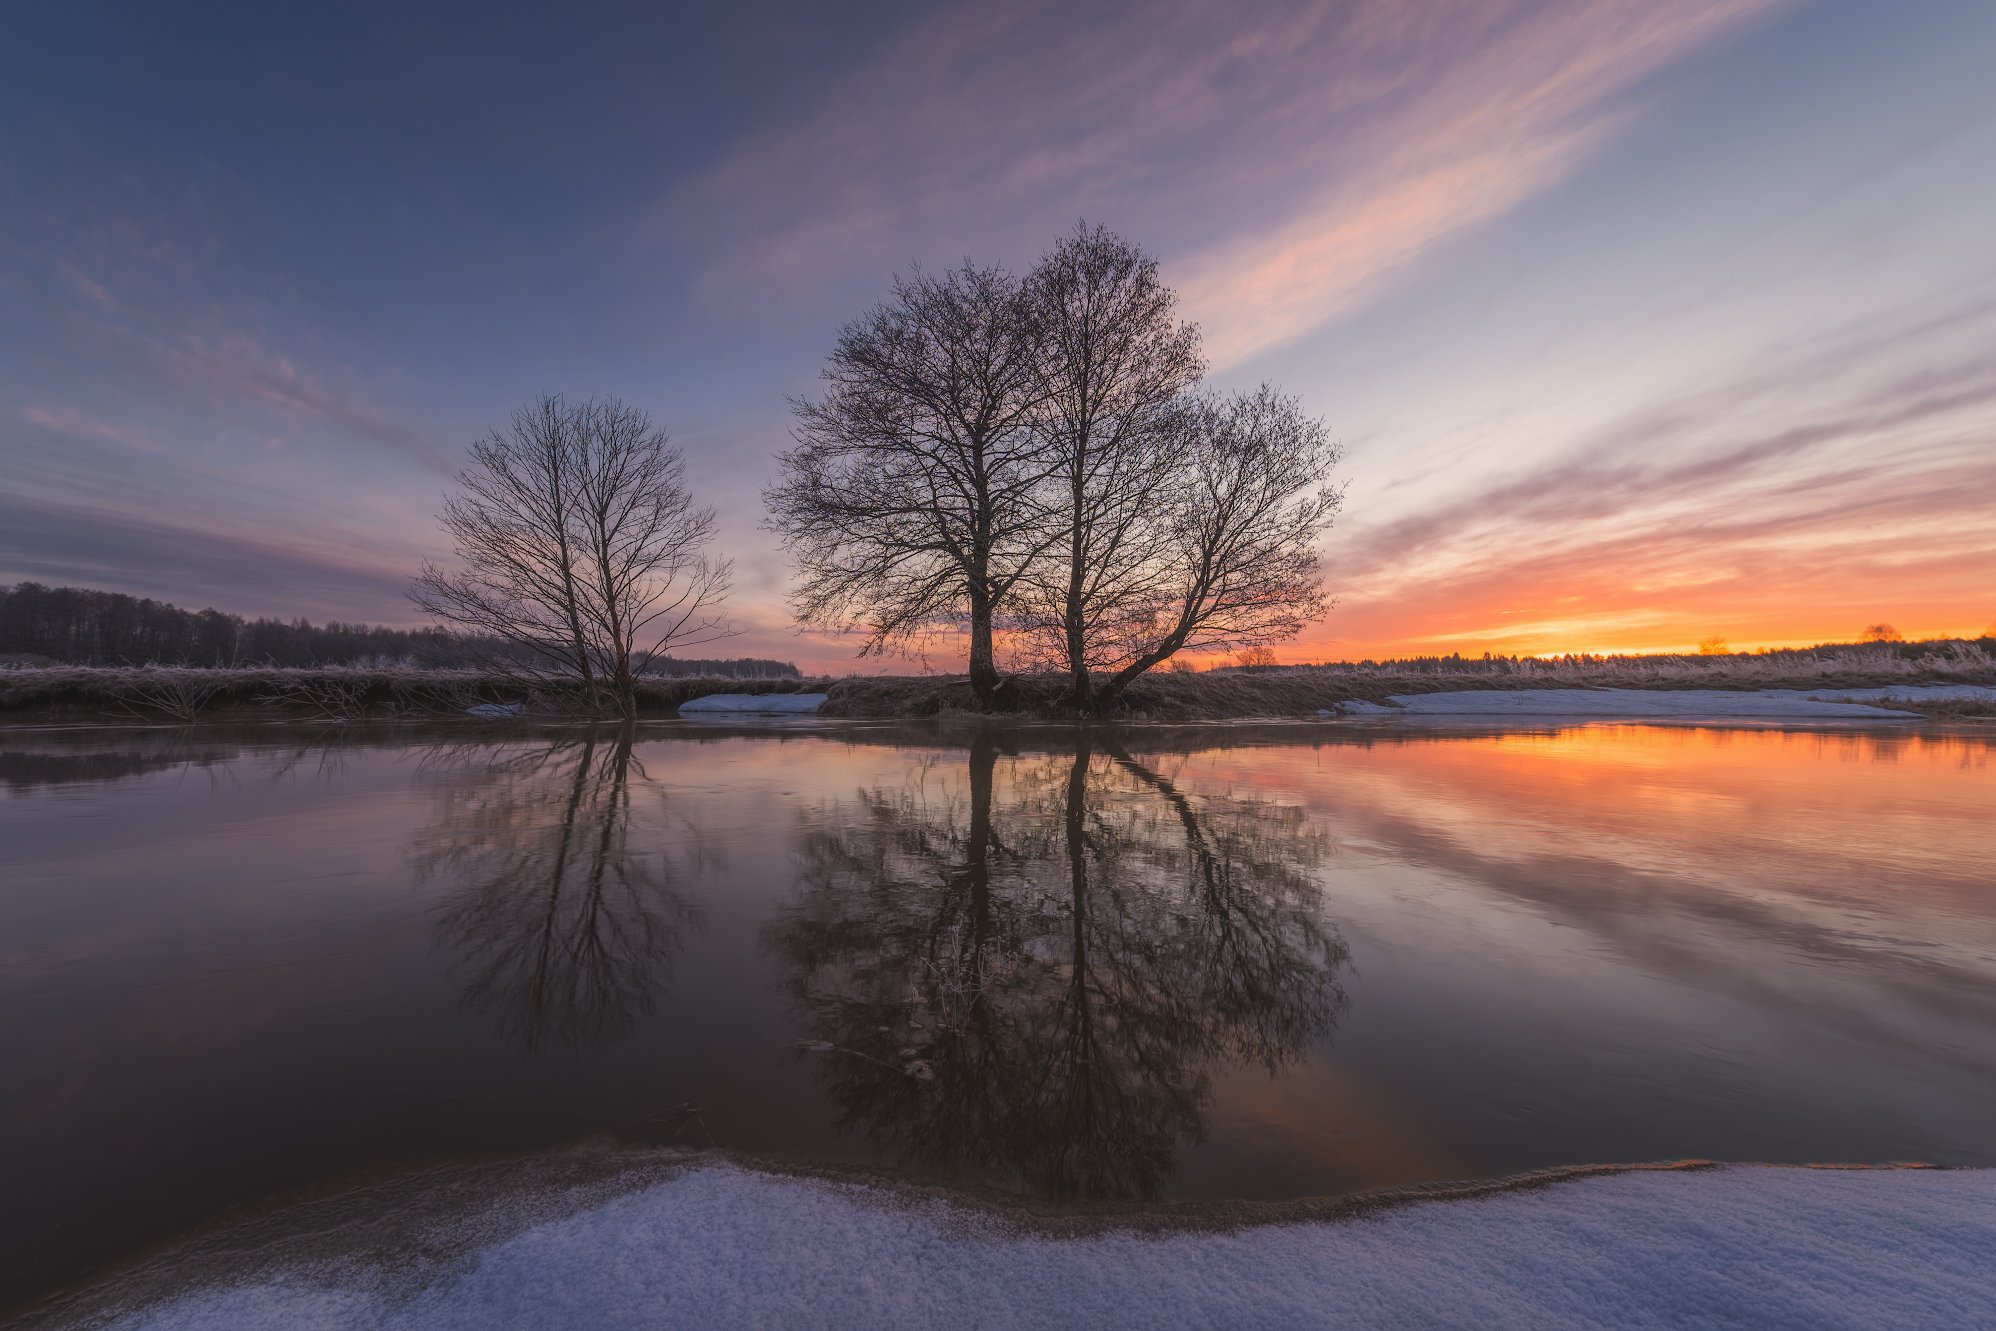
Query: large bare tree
x,y
910,500
580,546
1114,361
1030,462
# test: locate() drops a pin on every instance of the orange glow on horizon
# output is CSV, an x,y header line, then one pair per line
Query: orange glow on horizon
x,y
1331,650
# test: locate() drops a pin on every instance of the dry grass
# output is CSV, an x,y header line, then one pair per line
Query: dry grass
x,y
333,693
1957,662
1165,696
340,693
1304,690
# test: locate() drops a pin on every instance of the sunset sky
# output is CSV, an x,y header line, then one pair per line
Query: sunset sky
x,y
1640,322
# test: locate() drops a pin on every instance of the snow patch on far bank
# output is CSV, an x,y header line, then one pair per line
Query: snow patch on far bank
x,y
765,704
1783,704
720,1246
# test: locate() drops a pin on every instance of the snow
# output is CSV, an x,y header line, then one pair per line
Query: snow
x,y
1913,692
784,704
719,1246
1787,704
495,710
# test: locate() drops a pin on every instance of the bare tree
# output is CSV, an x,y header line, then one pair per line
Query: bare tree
x,y
1234,546
1029,461
1114,361
909,500
581,548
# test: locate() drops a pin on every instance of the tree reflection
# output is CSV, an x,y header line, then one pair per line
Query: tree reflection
x,y
1036,972
560,926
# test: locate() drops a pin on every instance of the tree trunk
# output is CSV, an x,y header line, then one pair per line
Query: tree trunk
x,y
627,693
1106,696
983,659
983,764
1072,618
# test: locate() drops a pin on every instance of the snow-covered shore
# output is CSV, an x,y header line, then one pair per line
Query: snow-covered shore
x,y
1712,704
721,1246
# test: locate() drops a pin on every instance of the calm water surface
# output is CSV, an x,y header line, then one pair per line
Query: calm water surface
x,y
1231,962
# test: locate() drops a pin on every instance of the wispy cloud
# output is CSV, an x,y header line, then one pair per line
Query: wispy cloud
x,y
1492,124
235,367
1300,160
192,563
1808,494
148,286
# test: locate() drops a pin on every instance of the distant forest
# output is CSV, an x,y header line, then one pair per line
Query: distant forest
x,y
82,626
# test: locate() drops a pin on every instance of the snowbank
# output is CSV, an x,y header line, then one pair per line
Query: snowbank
x,y
768,704
1785,704
723,1247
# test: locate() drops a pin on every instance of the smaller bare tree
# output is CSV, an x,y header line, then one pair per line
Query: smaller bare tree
x,y
1238,566
580,548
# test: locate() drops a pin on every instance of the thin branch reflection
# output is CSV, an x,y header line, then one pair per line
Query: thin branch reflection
x,y
1035,974
564,926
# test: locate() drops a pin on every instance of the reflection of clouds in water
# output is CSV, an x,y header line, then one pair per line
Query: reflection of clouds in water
x,y
558,924
1835,881
1038,976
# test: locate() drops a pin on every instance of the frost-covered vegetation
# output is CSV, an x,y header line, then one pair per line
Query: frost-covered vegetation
x,y
1302,690
83,626
1877,661
377,693
334,693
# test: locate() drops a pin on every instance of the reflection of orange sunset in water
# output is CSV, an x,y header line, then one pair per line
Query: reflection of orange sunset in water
x,y
1529,908
1215,961
1912,811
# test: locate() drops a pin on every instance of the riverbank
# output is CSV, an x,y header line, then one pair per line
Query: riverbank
x,y
717,1244
1955,686
335,693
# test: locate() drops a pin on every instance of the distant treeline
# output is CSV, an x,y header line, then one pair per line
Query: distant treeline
x,y
1457,663
82,626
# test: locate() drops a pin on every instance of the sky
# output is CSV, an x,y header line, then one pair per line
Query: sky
x,y
1639,324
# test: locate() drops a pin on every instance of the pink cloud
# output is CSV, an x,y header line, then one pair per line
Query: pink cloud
x,y
1494,125
1303,156
232,365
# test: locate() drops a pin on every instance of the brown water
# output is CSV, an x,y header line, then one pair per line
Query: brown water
x,y
1228,962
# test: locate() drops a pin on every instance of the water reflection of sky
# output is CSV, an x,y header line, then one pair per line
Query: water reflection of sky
x,y
1194,963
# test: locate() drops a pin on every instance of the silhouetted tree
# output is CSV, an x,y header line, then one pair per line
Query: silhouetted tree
x,y
1233,559
1030,461
1883,633
580,545
909,500
1114,360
